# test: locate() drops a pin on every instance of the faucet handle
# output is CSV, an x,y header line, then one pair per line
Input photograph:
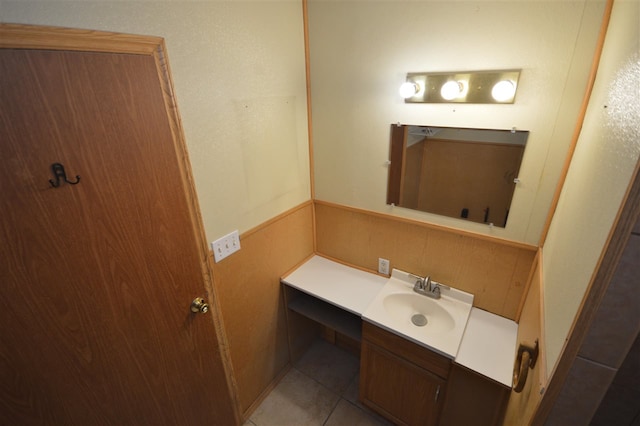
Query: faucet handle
x,y
419,280
440,285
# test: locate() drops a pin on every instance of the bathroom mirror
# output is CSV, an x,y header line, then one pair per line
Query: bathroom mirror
x,y
457,172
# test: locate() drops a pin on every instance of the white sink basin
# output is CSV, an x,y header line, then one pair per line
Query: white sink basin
x,y
437,324
405,306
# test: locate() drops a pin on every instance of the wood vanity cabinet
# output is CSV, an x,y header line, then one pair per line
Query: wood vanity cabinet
x,y
400,380
473,399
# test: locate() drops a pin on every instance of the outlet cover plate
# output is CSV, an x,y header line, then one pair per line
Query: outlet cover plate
x,y
383,266
225,246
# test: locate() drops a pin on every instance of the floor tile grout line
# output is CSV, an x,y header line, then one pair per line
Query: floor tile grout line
x,y
332,411
364,409
339,395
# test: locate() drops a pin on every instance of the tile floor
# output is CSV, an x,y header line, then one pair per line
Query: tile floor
x,y
320,389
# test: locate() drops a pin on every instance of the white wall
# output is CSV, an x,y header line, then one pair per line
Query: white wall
x,y
239,74
603,164
361,52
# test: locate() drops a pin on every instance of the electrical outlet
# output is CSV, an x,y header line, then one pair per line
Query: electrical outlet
x,y
225,246
383,266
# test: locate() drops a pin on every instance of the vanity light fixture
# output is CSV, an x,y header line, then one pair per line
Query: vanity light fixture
x,y
474,87
409,89
453,89
503,90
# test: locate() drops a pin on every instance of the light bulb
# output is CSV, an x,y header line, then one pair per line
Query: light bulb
x,y
451,90
409,89
503,91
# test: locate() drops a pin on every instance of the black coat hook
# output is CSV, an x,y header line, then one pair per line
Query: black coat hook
x,y
60,174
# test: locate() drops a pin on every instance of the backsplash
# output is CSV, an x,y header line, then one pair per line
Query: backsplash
x,y
495,271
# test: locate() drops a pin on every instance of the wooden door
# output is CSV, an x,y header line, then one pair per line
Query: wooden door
x,y
97,277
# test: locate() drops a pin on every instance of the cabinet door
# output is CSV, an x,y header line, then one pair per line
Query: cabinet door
x,y
398,389
473,399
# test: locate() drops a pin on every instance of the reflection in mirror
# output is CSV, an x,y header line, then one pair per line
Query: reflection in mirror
x,y
456,172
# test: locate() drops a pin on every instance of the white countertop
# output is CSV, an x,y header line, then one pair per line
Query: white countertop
x,y
489,341
348,288
488,346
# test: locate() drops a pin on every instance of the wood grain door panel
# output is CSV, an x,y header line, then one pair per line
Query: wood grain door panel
x,y
97,278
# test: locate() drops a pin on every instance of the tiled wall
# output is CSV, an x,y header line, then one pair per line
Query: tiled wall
x,y
608,359
620,404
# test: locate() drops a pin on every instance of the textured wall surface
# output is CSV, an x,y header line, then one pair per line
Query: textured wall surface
x,y
603,163
358,66
239,73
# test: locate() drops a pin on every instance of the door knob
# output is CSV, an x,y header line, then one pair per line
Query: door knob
x,y
199,306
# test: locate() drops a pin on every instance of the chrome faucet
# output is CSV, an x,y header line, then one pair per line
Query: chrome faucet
x,y
426,286
422,284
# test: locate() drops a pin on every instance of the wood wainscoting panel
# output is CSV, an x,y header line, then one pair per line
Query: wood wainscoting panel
x,y
251,300
495,271
522,406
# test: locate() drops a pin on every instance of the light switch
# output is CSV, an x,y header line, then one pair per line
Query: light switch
x,y
225,246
